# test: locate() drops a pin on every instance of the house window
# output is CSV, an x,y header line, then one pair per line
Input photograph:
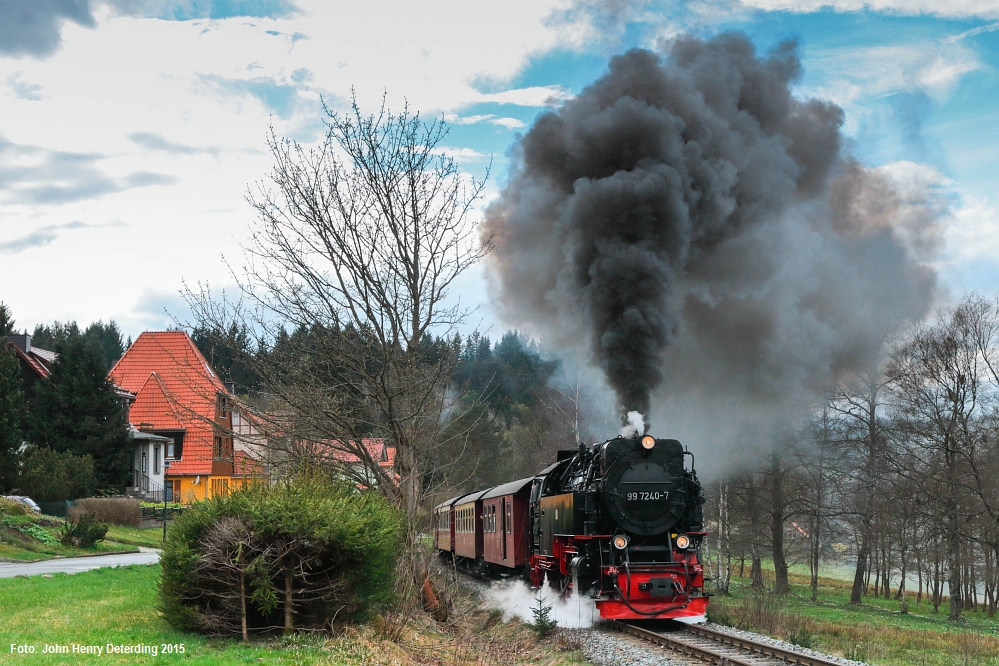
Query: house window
x,y
221,406
218,448
156,460
143,462
175,449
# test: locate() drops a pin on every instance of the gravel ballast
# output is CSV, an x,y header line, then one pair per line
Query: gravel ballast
x,y
606,647
732,631
603,646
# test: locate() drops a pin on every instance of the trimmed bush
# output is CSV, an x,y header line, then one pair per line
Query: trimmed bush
x,y
49,476
299,555
84,531
112,510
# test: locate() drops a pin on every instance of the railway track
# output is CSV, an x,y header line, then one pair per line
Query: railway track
x,y
715,647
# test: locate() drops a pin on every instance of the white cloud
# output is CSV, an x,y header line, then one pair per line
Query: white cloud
x,y
464,155
509,123
850,75
533,96
980,30
492,119
974,232
953,8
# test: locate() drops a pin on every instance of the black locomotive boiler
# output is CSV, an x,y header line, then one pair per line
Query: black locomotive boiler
x,y
619,521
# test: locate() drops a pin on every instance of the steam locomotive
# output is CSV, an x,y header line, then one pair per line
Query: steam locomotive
x,y
619,521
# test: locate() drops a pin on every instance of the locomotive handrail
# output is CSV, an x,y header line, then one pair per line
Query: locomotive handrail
x,y
687,452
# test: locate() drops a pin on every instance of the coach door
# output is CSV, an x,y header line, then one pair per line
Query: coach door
x,y
509,526
503,525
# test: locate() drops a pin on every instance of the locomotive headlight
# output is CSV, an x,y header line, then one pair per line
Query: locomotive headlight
x,y
648,442
683,541
620,542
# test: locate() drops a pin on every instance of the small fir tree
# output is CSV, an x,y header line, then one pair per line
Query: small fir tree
x,y
11,416
544,624
77,411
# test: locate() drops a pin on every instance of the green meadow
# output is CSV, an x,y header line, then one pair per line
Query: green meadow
x,y
877,631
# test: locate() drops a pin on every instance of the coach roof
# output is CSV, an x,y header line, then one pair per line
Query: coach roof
x,y
509,488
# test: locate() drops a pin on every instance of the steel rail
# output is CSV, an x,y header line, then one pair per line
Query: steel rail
x,y
753,650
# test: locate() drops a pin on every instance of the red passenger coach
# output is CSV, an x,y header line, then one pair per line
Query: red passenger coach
x,y
444,524
468,526
505,524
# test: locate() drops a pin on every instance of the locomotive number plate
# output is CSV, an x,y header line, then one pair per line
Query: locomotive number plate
x,y
653,496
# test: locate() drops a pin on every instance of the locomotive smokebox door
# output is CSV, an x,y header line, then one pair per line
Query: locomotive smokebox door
x,y
645,490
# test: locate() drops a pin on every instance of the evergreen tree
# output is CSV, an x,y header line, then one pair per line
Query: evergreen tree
x,y
77,410
48,476
11,417
6,321
50,337
227,352
106,338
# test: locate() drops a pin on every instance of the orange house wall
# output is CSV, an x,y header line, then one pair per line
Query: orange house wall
x,y
192,492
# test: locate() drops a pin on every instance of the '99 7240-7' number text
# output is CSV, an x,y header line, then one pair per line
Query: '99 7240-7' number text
x,y
644,496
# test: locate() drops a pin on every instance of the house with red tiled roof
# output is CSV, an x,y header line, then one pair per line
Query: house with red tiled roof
x,y
178,396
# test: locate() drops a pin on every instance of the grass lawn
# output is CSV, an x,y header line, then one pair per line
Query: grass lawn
x,y
117,606
876,632
150,537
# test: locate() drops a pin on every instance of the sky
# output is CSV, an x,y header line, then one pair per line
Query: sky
x,y
132,130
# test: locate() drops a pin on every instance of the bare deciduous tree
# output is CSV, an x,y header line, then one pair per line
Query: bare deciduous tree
x,y
356,247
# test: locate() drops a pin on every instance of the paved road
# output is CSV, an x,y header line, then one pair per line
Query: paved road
x,y
77,564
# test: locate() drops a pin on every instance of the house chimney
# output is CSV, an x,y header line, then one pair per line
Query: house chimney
x,y
22,342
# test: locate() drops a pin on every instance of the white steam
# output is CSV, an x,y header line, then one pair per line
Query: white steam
x,y
517,600
635,427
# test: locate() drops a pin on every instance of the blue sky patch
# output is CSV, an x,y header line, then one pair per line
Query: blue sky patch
x,y
187,10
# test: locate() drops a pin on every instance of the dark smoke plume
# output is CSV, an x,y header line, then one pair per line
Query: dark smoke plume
x,y
693,198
